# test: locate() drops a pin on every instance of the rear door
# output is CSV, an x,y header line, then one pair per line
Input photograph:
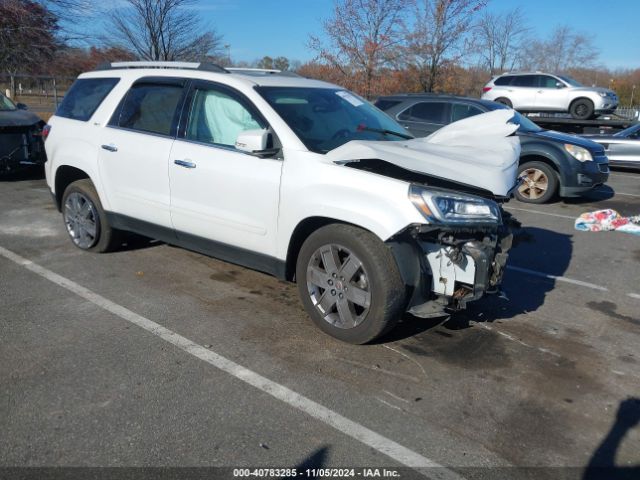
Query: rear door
x,y
219,193
522,92
425,117
135,149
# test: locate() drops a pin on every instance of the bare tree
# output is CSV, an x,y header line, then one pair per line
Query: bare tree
x,y
501,39
438,35
363,36
565,49
164,30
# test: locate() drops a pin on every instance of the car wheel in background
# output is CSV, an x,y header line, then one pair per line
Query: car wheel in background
x,y
540,183
504,101
581,109
86,220
349,283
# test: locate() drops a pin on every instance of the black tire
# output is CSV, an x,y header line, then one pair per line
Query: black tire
x,y
582,109
382,281
504,101
106,238
532,192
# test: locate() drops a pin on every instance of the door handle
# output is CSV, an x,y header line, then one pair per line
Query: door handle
x,y
110,148
185,163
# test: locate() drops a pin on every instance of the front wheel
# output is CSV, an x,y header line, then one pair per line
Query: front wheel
x,y
349,283
540,183
582,109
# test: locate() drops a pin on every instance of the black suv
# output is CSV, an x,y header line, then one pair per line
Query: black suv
x,y
551,162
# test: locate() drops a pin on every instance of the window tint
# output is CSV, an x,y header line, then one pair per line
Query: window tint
x,y
386,104
461,110
544,81
506,80
431,112
149,108
218,116
84,97
524,81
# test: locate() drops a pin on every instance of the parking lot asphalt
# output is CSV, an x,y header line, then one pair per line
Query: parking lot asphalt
x,y
154,355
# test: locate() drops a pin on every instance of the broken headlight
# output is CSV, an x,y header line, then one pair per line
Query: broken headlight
x,y
440,206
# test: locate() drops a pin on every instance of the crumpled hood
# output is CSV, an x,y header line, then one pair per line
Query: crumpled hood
x,y
18,118
479,151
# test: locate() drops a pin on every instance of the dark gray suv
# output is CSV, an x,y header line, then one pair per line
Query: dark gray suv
x,y
551,162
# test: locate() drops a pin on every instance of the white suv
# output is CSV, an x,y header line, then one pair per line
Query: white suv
x,y
290,176
543,92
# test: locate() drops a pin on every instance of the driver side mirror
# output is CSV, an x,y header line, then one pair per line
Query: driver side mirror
x,y
21,106
255,142
560,85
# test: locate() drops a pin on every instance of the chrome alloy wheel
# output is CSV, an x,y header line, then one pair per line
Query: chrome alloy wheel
x,y
80,217
535,183
338,286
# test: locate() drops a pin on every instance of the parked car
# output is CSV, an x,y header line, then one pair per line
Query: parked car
x,y
290,176
544,92
20,137
622,148
551,162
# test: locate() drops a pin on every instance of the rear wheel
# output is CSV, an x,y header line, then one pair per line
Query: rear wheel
x,y
349,283
85,219
581,109
540,183
504,101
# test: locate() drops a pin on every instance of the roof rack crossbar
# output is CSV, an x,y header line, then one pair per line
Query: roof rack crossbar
x,y
262,71
209,67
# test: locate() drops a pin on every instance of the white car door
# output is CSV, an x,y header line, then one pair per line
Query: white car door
x,y
135,149
549,96
522,92
218,193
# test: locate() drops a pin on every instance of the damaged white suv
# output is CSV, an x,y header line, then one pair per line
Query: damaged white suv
x,y
290,176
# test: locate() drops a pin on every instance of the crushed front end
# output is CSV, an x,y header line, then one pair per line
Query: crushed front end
x,y
20,146
458,256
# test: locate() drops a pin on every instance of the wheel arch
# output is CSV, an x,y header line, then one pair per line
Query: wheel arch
x,y
581,97
64,176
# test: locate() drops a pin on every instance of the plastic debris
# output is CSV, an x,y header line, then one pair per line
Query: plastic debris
x,y
607,220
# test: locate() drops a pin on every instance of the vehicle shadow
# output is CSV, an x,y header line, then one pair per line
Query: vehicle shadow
x,y
536,252
133,241
604,192
23,174
602,463
314,461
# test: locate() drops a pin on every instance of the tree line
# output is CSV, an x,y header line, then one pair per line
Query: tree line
x,y
373,47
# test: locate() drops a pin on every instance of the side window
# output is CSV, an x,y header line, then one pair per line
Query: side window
x,y
218,116
84,97
430,112
149,108
545,81
501,81
386,104
461,110
524,81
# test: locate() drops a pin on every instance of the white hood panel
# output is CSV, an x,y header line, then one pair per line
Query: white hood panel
x,y
477,151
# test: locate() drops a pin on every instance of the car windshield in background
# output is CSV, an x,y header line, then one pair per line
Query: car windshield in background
x,y
325,118
6,104
632,132
571,81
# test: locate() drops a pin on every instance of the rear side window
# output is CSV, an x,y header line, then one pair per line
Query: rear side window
x,y
149,108
430,112
84,97
500,81
524,81
462,110
386,104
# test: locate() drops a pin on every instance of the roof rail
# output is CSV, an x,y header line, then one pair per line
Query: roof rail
x,y
208,67
261,71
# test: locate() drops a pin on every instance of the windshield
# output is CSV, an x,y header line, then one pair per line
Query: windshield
x,y
628,132
325,118
6,104
571,81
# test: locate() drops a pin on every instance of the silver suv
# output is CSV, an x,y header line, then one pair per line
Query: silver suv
x,y
543,92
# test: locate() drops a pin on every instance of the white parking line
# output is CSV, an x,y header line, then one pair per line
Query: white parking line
x,y
539,212
633,295
558,278
353,429
619,193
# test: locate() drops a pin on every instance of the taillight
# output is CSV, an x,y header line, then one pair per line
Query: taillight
x,y
485,89
45,131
